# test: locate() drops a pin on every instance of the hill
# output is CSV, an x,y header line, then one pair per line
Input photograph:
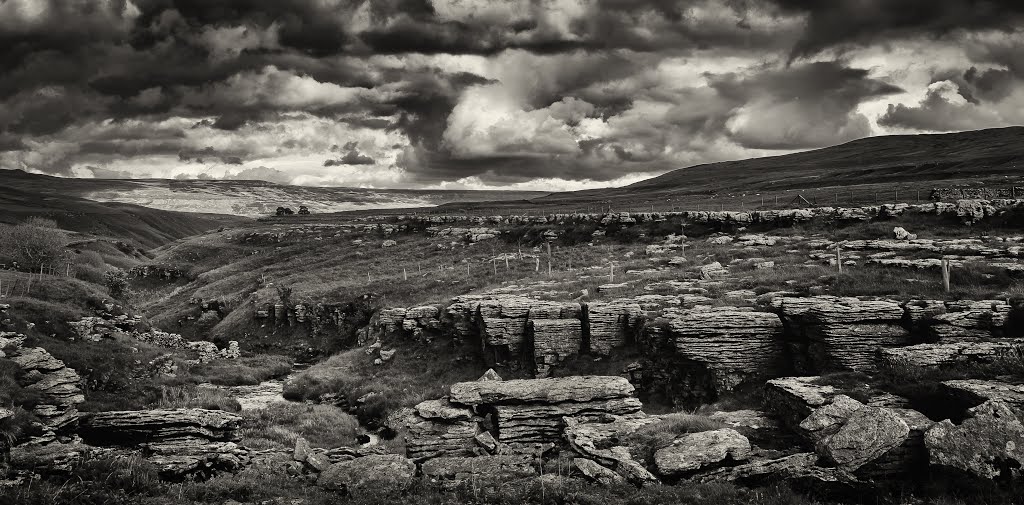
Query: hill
x,y
854,173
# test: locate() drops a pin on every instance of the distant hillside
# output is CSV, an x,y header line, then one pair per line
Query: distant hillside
x,y
913,162
245,198
148,228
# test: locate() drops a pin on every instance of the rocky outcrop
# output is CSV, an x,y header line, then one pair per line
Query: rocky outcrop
x,y
180,443
504,417
381,473
437,428
59,387
988,444
701,451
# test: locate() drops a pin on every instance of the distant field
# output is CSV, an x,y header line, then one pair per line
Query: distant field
x,y
245,198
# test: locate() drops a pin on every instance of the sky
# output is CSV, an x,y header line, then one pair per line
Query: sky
x,y
473,94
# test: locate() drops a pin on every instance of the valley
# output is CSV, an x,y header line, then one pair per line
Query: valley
x,y
555,349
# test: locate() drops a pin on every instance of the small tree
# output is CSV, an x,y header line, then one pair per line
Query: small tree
x,y
116,282
284,211
303,210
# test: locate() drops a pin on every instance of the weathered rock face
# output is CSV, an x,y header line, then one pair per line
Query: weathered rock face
x,y
612,324
960,319
507,324
989,444
842,333
60,386
869,433
389,472
554,340
945,354
699,451
731,345
181,443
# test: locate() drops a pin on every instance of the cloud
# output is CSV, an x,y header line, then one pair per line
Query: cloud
x,y
942,109
421,93
839,23
261,173
352,157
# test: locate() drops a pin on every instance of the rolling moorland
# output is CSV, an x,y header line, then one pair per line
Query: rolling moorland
x,y
511,352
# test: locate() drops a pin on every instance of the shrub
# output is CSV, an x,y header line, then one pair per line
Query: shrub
x,y
245,371
116,282
32,244
207,321
644,442
282,423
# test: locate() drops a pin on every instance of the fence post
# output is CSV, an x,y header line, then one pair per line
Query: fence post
x,y
611,275
405,275
945,274
839,258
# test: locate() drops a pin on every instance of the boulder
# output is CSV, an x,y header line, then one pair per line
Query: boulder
x,y
988,444
481,470
799,470
381,472
700,451
792,399
600,442
594,472
900,233
847,333
972,392
826,421
869,433
533,424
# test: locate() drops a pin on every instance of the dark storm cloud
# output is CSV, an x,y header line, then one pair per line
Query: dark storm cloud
x,y
859,22
801,107
940,111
